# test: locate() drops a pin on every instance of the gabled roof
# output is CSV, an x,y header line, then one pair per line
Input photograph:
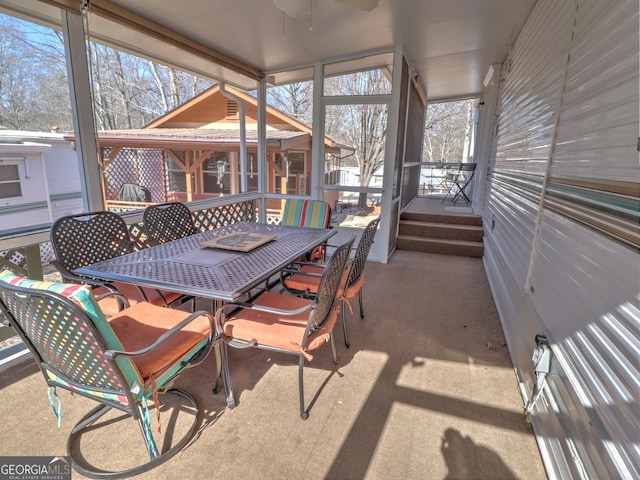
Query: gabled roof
x,y
206,111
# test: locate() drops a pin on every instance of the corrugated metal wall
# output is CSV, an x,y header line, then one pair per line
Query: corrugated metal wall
x,y
562,226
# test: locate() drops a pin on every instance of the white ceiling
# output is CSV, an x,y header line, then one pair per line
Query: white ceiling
x,y
450,43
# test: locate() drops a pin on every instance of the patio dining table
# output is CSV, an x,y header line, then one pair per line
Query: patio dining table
x,y
185,266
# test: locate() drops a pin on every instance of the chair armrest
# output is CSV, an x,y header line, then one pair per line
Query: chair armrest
x,y
288,313
121,297
72,277
301,272
219,321
259,308
309,264
162,338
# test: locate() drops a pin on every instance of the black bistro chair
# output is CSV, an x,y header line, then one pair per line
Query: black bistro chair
x,y
123,363
285,323
457,181
465,175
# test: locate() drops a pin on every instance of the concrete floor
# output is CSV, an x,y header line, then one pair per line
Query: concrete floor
x,y
426,391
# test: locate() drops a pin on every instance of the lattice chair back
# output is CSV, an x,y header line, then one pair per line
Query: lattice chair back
x,y
362,252
77,349
328,287
168,221
87,238
83,239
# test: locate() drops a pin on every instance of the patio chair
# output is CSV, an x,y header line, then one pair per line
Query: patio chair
x,y
457,181
166,222
306,279
286,323
465,174
448,182
309,214
87,238
306,213
121,363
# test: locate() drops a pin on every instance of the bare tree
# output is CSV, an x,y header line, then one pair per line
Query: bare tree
x,y
33,87
130,92
448,128
294,99
362,126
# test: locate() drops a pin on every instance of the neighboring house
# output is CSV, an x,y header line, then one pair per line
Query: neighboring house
x,y
39,179
193,152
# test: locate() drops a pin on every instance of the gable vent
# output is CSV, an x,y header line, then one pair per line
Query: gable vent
x,y
232,109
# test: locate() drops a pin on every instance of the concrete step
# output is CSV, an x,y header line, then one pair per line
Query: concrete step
x,y
417,243
458,219
452,231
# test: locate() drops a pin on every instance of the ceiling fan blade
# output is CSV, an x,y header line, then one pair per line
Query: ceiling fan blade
x,y
367,5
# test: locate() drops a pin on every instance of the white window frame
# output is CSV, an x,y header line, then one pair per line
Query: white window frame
x,y
22,175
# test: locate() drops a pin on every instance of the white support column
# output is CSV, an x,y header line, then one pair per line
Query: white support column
x,y
82,110
317,137
391,147
262,148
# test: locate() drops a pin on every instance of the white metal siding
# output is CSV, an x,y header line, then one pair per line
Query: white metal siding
x,y
63,179
63,173
529,100
561,217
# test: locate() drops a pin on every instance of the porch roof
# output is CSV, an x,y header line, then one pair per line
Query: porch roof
x,y
203,138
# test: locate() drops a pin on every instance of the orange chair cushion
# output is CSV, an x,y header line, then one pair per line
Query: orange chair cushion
x,y
305,283
275,330
353,290
110,307
142,324
311,283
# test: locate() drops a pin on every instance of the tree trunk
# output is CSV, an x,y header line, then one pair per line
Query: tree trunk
x,y
362,200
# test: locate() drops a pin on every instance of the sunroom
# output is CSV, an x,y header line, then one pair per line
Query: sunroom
x,y
555,147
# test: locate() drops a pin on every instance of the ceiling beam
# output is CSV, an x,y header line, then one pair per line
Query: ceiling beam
x,y
129,19
71,6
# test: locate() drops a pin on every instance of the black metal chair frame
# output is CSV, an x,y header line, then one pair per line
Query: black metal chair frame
x,y
355,271
467,170
94,371
457,187
86,238
167,221
320,309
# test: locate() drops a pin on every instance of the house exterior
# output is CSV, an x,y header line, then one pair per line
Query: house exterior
x,y
195,152
39,179
560,200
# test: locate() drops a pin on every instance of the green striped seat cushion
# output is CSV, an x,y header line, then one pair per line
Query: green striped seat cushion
x,y
306,213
